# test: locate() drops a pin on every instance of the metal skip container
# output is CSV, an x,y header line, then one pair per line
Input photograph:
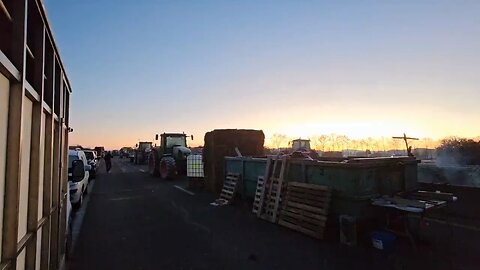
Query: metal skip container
x,y
354,181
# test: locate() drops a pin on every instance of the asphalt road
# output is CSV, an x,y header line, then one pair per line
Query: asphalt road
x,y
135,221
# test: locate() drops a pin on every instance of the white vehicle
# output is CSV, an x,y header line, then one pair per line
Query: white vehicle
x,y
92,161
78,185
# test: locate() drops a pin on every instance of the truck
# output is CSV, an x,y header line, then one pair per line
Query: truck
x,y
100,151
170,158
35,98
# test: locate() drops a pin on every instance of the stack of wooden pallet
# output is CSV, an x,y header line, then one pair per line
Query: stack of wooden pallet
x,y
229,189
305,208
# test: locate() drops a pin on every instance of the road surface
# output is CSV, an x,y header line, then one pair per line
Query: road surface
x,y
135,221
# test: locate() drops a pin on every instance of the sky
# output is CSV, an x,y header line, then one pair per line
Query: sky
x,y
300,68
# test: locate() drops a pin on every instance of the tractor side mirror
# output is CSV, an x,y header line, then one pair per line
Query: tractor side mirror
x,y
78,170
156,137
136,145
191,136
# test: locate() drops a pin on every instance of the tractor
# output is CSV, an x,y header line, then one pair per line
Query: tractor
x,y
301,149
170,158
142,152
301,145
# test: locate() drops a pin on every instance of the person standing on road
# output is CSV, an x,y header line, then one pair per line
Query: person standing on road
x,y
108,161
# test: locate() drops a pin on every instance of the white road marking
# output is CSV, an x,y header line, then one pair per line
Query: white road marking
x,y
142,170
184,190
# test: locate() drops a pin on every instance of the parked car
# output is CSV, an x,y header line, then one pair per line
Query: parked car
x,y
78,185
92,161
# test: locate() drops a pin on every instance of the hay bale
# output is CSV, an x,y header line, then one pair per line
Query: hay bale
x,y
221,143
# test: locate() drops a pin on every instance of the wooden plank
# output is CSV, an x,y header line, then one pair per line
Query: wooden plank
x,y
307,191
8,69
302,212
36,153
55,218
308,197
13,174
309,186
226,197
322,205
306,207
323,198
33,190
319,222
229,185
5,11
312,197
225,191
230,181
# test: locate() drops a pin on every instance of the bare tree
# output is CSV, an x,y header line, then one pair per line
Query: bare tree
x,y
343,142
332,140
278,140
320,142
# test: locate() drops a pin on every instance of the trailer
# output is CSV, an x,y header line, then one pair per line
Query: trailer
x,y
34,125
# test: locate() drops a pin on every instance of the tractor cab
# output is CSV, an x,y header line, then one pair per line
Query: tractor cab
x,y
168,141
301,145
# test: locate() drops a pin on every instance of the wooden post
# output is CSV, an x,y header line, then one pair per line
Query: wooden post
x,y
35,152
47,191
14,136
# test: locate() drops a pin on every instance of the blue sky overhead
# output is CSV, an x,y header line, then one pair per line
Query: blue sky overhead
x,y
361,68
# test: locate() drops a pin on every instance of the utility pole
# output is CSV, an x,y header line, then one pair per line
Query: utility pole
x,y
405,138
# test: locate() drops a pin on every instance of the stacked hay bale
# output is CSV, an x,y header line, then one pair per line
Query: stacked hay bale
x,y
221,143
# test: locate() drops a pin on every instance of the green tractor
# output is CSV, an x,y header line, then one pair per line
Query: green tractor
x,y
170,158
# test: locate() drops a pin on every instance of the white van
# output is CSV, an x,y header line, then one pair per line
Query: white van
x,y
78,187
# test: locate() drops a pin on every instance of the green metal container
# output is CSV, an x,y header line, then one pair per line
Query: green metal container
x,y
353,181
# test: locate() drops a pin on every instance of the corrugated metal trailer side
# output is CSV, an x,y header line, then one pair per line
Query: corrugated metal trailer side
x,y
34,113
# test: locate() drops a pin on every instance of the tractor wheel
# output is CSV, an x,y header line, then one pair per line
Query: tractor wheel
x,y
168,168
153,163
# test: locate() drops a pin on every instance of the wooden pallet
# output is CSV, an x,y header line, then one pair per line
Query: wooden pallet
x,y
305,208
271,195
273,200
229,189
258,194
